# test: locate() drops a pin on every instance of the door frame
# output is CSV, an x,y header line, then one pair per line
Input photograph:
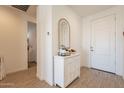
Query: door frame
x,y
90,61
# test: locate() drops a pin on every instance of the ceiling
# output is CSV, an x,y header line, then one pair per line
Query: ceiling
x,y
21,7
85,10
29,9
82,10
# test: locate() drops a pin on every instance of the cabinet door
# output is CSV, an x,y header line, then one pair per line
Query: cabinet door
x,y
59,72
68,72
75,67
71,69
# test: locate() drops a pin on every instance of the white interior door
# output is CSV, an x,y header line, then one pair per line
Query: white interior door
x,y
103,43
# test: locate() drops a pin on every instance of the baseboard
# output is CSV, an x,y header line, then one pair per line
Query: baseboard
x,y
17,70
50,83
85,67
39,77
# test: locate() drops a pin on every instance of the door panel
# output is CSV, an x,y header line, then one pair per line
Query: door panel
x,y
103,43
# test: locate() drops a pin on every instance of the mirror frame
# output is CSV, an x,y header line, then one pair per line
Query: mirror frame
x,y
59,31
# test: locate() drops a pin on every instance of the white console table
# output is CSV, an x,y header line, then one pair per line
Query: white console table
x,y
66,69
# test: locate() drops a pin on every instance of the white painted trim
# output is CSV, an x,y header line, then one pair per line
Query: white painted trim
x,y
50,83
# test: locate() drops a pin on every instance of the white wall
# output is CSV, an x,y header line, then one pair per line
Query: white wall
x,y
32,42
75,27
44,44
13,38
118,11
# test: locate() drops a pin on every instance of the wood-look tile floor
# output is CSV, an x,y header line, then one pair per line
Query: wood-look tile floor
x,y
90,78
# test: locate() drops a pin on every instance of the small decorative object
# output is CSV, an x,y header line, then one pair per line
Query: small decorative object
x,y
72,51
63,51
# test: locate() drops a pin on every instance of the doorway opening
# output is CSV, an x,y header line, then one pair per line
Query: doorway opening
x,y
32,45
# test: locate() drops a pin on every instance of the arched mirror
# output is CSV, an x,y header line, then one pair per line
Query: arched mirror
x,y
64,33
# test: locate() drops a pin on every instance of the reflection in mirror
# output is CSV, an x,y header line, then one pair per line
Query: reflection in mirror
x,y
64,33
